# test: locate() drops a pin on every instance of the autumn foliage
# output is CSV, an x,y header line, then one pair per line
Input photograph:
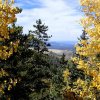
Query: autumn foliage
x,y
7,48
7,17
89,52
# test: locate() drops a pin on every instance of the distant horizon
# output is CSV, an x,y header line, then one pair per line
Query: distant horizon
x,y
62,41
62,45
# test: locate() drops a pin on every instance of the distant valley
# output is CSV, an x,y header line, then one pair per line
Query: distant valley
x,y
62,45
60,48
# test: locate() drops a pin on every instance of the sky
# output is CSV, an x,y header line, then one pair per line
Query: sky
x,y
61,16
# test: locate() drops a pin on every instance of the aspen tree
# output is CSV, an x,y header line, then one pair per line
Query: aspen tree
x,y
89,88
7,18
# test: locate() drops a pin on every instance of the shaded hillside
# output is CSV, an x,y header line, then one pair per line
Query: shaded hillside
x,y
59,53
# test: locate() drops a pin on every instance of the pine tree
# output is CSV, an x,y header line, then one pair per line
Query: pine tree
x,y
39,73
40,36
63,59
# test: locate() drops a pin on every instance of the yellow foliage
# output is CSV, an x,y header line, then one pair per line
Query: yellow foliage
x,y
7,17
66,73
90,49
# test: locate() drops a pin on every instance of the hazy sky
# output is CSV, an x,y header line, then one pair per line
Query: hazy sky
x,y
61,16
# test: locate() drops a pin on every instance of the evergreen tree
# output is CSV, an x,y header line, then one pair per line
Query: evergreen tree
x,y
63,59
40,36
39,74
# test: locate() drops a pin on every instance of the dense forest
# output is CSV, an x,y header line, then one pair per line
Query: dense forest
x,y
28,71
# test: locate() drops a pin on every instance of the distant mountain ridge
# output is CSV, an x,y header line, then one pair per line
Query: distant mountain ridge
x,y
62,45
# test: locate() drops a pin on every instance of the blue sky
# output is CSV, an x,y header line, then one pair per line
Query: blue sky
x,y
61,16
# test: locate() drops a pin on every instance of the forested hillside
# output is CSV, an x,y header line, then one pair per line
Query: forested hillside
x,y
30,71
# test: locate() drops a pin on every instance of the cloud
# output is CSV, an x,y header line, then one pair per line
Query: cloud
x,y
61,17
